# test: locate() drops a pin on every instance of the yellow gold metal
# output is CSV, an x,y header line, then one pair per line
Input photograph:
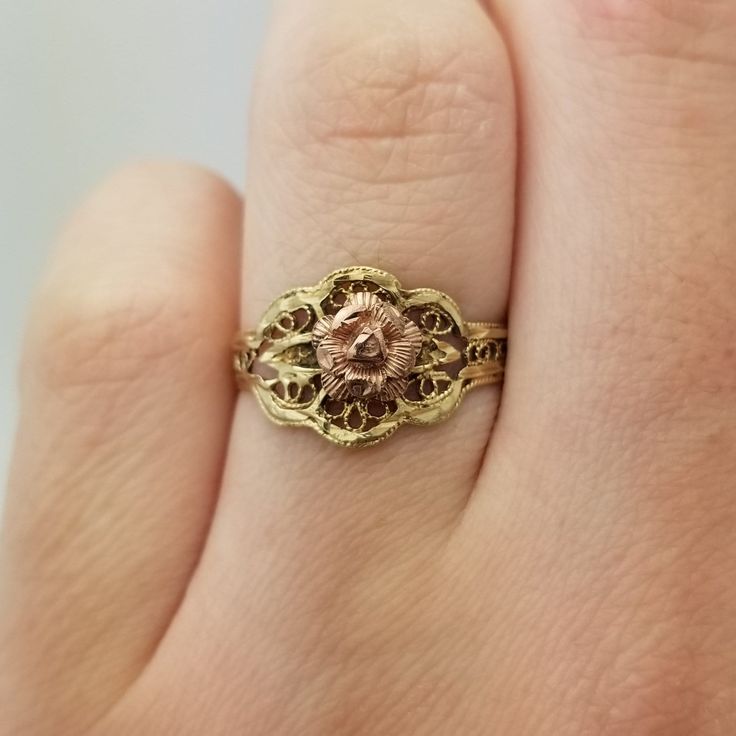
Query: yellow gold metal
x,y
344,357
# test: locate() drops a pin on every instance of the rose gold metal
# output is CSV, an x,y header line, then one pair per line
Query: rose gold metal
x,y
366,350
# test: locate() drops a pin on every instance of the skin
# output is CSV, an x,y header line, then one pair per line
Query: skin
x,y
560,564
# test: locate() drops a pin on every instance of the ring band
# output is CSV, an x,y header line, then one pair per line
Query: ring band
x,y
357,356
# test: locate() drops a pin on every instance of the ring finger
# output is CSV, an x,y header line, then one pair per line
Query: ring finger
x,y
383,135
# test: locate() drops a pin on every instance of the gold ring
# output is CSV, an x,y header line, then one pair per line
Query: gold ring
x,y
357,356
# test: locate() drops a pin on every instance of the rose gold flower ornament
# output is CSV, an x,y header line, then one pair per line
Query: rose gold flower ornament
x,y
366,350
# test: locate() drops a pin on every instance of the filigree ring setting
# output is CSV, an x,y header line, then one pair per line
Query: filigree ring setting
x,y
357,356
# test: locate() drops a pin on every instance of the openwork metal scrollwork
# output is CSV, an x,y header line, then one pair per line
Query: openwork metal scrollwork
x,y
357,356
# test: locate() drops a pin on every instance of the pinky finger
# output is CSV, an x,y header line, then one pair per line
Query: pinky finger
x,y
125,407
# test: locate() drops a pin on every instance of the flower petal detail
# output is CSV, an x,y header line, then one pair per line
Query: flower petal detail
x,y
367,349
394,388
322,328
400,359
414,335
334,386
331,354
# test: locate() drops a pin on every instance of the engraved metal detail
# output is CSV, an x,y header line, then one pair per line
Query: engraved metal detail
x,y
357,356
366,350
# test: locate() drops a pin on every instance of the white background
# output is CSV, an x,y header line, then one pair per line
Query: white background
x,y
88,84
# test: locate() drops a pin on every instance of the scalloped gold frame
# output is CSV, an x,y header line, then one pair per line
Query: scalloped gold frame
x,y
292,396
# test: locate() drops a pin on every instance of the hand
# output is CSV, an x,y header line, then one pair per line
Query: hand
x,y
565,571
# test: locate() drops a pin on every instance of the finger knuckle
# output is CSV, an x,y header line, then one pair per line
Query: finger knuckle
x,y
147,295
403,127
659,28
100,336
150,188
388,85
